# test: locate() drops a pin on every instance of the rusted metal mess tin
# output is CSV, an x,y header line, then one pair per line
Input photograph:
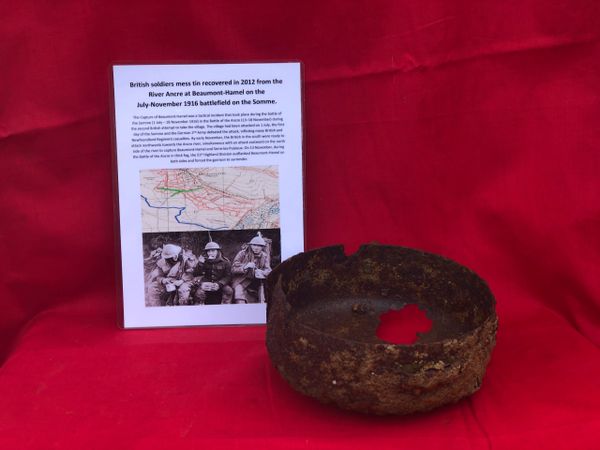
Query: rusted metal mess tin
x,y
323,312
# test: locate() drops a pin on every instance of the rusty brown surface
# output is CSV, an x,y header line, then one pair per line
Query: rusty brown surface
x,y
323,313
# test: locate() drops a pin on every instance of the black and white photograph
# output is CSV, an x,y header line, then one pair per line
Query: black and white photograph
x,y
208,267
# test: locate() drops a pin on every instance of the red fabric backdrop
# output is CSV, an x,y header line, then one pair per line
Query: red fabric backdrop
x,y
466,128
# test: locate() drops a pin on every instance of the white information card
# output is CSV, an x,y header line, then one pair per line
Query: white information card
x,y
210,196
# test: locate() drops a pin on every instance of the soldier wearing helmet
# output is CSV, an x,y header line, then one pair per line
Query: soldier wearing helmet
x,y
165,278
212,277
190,261
250,267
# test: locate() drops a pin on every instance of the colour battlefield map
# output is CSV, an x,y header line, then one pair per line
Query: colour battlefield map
x,y
216,198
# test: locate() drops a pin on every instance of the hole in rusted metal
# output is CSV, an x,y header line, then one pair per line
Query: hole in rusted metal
x,y
403,326
350,249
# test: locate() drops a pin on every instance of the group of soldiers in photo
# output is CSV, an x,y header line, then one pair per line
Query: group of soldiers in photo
x,y
176,276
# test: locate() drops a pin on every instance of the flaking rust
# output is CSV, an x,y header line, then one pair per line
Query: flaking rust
x,y
323,313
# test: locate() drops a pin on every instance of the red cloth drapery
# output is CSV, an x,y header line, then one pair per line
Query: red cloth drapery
x,y
463,128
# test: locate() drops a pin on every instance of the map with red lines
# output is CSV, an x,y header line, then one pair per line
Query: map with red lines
x,y
216,198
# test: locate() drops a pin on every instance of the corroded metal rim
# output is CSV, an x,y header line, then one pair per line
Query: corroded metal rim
x,y
324,308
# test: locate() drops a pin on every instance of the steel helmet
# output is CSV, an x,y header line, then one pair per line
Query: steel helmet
x,y
258,240
212,245
171,251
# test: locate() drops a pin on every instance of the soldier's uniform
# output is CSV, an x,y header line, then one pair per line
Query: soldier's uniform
x,y
217,270
161,288
245,286
190,261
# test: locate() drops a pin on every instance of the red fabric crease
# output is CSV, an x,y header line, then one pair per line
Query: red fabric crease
x,y
464,128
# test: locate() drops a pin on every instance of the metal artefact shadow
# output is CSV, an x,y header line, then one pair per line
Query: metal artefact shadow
x,y
323,312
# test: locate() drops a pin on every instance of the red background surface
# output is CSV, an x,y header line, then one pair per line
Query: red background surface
x,y
466,128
